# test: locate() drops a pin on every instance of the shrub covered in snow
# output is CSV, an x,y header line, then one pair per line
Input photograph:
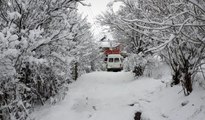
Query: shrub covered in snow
x,y
38,41
141,65
135,63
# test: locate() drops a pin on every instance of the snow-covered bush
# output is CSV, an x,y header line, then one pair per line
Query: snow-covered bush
x,y
134,60
135,63
154,66
38,41
148,66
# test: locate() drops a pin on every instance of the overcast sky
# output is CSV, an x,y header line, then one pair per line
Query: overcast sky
x,y
96,8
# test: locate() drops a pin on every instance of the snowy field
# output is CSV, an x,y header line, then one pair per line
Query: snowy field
x,y
118,96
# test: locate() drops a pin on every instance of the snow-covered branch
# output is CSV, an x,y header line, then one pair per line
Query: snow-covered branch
x,y
162,46
194,2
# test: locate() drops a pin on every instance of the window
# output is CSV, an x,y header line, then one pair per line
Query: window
x,y
105,60
116,60
110,59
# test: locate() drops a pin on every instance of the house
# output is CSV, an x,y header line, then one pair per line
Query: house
x,y
110,48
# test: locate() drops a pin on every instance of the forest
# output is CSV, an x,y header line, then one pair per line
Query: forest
x,y
46,44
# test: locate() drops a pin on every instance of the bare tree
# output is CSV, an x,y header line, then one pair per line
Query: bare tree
x,y
172,23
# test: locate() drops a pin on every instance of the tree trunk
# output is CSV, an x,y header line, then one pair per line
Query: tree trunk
x,y
186,79
75,71
175,78
187,84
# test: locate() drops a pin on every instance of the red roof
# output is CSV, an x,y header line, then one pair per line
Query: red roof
x,y
115,51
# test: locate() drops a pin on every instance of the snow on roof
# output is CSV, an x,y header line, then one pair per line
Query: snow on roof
x,y
108,44
105,44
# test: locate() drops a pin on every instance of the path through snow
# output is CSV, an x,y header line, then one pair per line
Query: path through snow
x,y
117,96
103,96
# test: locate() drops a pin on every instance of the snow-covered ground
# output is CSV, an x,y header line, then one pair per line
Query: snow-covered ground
x,y
118,96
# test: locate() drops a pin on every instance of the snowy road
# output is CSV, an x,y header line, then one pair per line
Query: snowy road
x,y
102,96
118,95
